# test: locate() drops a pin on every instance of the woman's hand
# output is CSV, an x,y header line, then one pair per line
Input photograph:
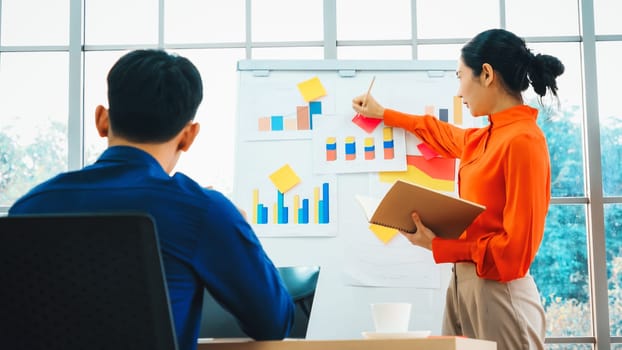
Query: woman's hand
x,y
423,237
367,106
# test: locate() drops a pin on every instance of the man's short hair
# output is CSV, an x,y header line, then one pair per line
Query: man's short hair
x,y
152,95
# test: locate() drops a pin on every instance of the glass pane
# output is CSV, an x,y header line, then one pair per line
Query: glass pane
x,y
522,19
284,20
561,272
374,52
365,20
439,52
562,124
607,16
613,238
96,67
608,56
33,115
306,53
210,160
438,18
34,22
120,22
199,21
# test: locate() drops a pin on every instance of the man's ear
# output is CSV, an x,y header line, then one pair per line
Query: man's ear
x,y
488,74
187,136
102,122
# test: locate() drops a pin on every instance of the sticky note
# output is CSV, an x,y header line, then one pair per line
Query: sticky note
x,y
437,167
366,123
285,178
384,234
311,89
416,175
427,152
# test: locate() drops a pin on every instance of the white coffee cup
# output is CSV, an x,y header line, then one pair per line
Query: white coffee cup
x,y
391,317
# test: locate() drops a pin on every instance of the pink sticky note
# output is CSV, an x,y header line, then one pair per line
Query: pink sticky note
x,y
426,151
366,123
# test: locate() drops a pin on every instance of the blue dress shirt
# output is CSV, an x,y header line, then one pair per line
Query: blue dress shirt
x,y
206,243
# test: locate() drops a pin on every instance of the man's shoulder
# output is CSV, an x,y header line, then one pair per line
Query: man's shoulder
x,y
47,185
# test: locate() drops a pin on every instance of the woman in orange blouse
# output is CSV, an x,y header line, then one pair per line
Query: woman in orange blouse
x,y
504,166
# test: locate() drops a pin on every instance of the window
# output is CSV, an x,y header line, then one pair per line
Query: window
x,y
34,116
608,55
607,18
542,18
46,23
118,22
365,20
36,58
437,18
199,21
283,20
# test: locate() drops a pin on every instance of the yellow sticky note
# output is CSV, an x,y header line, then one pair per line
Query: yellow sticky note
x,y
285,178
384,234
311,89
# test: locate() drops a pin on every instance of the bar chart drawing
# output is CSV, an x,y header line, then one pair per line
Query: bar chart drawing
x,y
286,199
341,146
283,109
301,121
302,211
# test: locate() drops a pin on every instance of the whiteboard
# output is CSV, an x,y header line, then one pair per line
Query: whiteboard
x,y
304,205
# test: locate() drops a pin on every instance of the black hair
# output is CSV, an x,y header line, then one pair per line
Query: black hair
x,y
152,95
509,56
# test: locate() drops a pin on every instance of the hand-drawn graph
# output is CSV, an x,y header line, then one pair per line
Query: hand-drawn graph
x,y
283,197
282,110
341,146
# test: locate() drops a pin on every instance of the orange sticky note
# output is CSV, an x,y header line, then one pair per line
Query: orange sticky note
x,y
437,167
311,89
384,234
285,178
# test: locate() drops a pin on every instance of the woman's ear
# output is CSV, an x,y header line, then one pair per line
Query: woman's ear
x,y
488,74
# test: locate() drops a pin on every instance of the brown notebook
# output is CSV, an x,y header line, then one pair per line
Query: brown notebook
x,y
445,215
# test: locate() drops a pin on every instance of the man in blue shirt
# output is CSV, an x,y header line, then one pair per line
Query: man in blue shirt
x,y
206,242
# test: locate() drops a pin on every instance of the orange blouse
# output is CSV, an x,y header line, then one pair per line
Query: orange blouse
x,y
504,166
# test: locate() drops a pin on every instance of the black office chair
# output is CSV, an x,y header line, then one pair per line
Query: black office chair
x,y
82,282
301,282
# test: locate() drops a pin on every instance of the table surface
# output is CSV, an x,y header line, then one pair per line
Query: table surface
x,y
429,343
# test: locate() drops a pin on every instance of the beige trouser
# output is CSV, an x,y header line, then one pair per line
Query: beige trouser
x,y
508,313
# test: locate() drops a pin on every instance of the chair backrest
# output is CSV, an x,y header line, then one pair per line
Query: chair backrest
x,y
83,281
300,281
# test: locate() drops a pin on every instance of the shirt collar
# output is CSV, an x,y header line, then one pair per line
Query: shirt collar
x,y
513,114
130,155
